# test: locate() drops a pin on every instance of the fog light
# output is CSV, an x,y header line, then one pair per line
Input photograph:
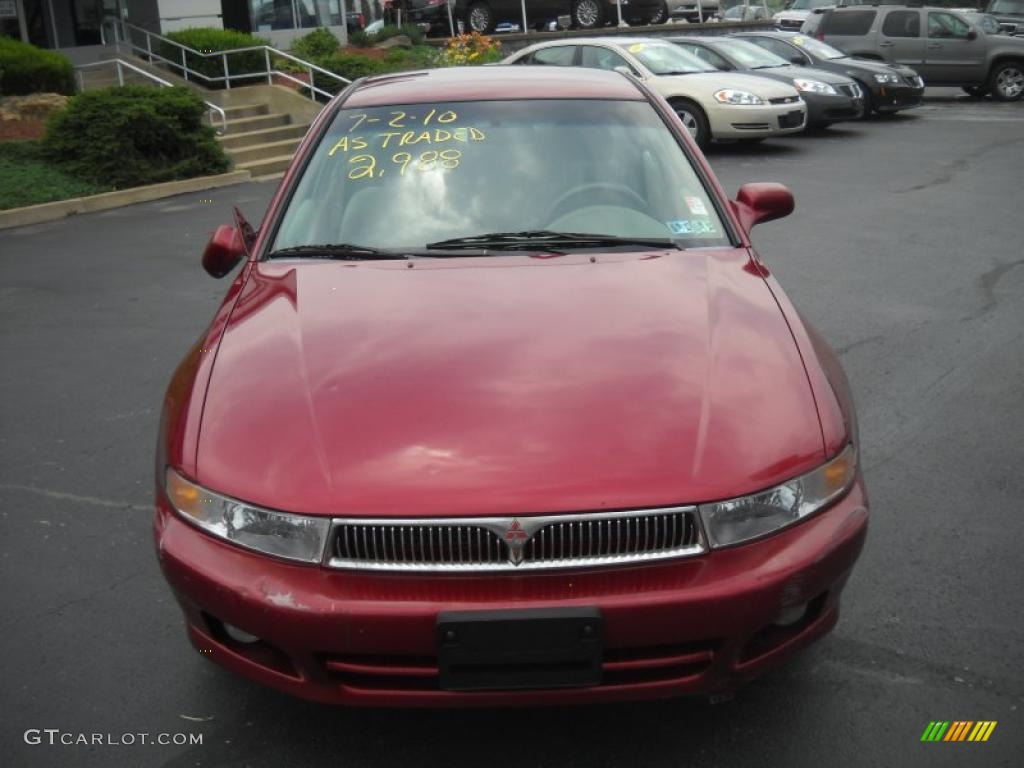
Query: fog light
x,y
237,634
790,615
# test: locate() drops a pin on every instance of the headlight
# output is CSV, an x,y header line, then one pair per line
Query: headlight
x,y
885,78
814,86
731,96
295,537
738,520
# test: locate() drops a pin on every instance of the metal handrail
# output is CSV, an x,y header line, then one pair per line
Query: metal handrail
x,y
123,30
121,63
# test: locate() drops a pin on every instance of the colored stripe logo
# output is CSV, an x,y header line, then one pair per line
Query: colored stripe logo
x,y
958,730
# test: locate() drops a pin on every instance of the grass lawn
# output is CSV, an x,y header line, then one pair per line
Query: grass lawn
x,y
27,179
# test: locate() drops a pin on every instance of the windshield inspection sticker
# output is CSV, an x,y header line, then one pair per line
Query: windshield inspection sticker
x,y
696,205
798,40
691,227
636,47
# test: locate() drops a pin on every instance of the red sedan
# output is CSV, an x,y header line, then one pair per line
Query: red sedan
x,y
503,408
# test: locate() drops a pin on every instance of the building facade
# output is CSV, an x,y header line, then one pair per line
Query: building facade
x,y
77,25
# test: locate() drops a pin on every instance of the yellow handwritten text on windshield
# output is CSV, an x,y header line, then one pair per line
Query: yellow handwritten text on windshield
x,y
370,154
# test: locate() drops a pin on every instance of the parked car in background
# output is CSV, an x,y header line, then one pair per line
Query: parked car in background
x,y
944,47
810,26
830,97
1009,14
692,11
712,105
887,87
796,12
483,15
742,10
503,408
430,14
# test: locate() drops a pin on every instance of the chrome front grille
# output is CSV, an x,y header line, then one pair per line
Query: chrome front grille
x,y
515,544
418,544
850,90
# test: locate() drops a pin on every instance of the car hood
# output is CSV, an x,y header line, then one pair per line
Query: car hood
x,y
852,66
704,84
791,71
510,385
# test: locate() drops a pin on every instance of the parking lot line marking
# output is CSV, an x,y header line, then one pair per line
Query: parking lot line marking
x,y
76,497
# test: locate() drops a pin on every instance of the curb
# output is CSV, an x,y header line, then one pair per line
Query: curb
x,y
37,214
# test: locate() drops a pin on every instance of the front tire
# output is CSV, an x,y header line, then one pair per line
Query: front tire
x,y
869,101
480,18
1007,81
588,14
694,120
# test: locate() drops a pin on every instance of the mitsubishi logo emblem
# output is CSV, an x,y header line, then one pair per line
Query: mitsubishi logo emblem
x,y
515,537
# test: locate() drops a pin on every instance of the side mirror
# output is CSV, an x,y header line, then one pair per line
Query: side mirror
x,y
225,249
763,201
622,69
798,59
972,34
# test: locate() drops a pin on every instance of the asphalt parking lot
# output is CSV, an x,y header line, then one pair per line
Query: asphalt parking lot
x,y
905,251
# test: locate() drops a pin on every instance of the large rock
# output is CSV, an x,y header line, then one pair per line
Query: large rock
x,y
33,107
398,41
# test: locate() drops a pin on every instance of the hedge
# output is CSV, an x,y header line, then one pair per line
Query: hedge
x,y
210,40
133,135
317,44
27,69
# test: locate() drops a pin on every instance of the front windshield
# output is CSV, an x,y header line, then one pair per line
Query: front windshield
x,y
1007,6
668,59
817,48
404,176
750,56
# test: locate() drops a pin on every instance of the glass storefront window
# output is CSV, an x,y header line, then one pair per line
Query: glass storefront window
x,y
269,15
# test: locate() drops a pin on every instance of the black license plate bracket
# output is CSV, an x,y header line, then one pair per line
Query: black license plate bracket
x,y
519,649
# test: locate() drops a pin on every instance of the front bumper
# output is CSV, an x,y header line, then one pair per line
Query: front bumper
x,y
691,626
823,108
745,122
891,98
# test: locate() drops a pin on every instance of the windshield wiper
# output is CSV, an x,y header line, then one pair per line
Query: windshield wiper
x,y
342,251
551,242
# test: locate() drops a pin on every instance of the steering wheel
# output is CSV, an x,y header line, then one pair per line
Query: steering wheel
x,y
624,193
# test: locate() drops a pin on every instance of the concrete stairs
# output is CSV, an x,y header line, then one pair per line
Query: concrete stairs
x,y
105,77
259,140
265,123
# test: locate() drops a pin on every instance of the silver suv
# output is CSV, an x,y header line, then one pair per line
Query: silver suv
x,y
942,45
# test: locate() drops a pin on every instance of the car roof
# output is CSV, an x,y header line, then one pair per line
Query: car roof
x,y
492,83
702,38
778,33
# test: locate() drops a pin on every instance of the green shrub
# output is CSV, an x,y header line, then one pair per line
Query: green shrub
x,y
317,44
132,135
411,31
210,40
353,65
359,39
27,69
400,59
